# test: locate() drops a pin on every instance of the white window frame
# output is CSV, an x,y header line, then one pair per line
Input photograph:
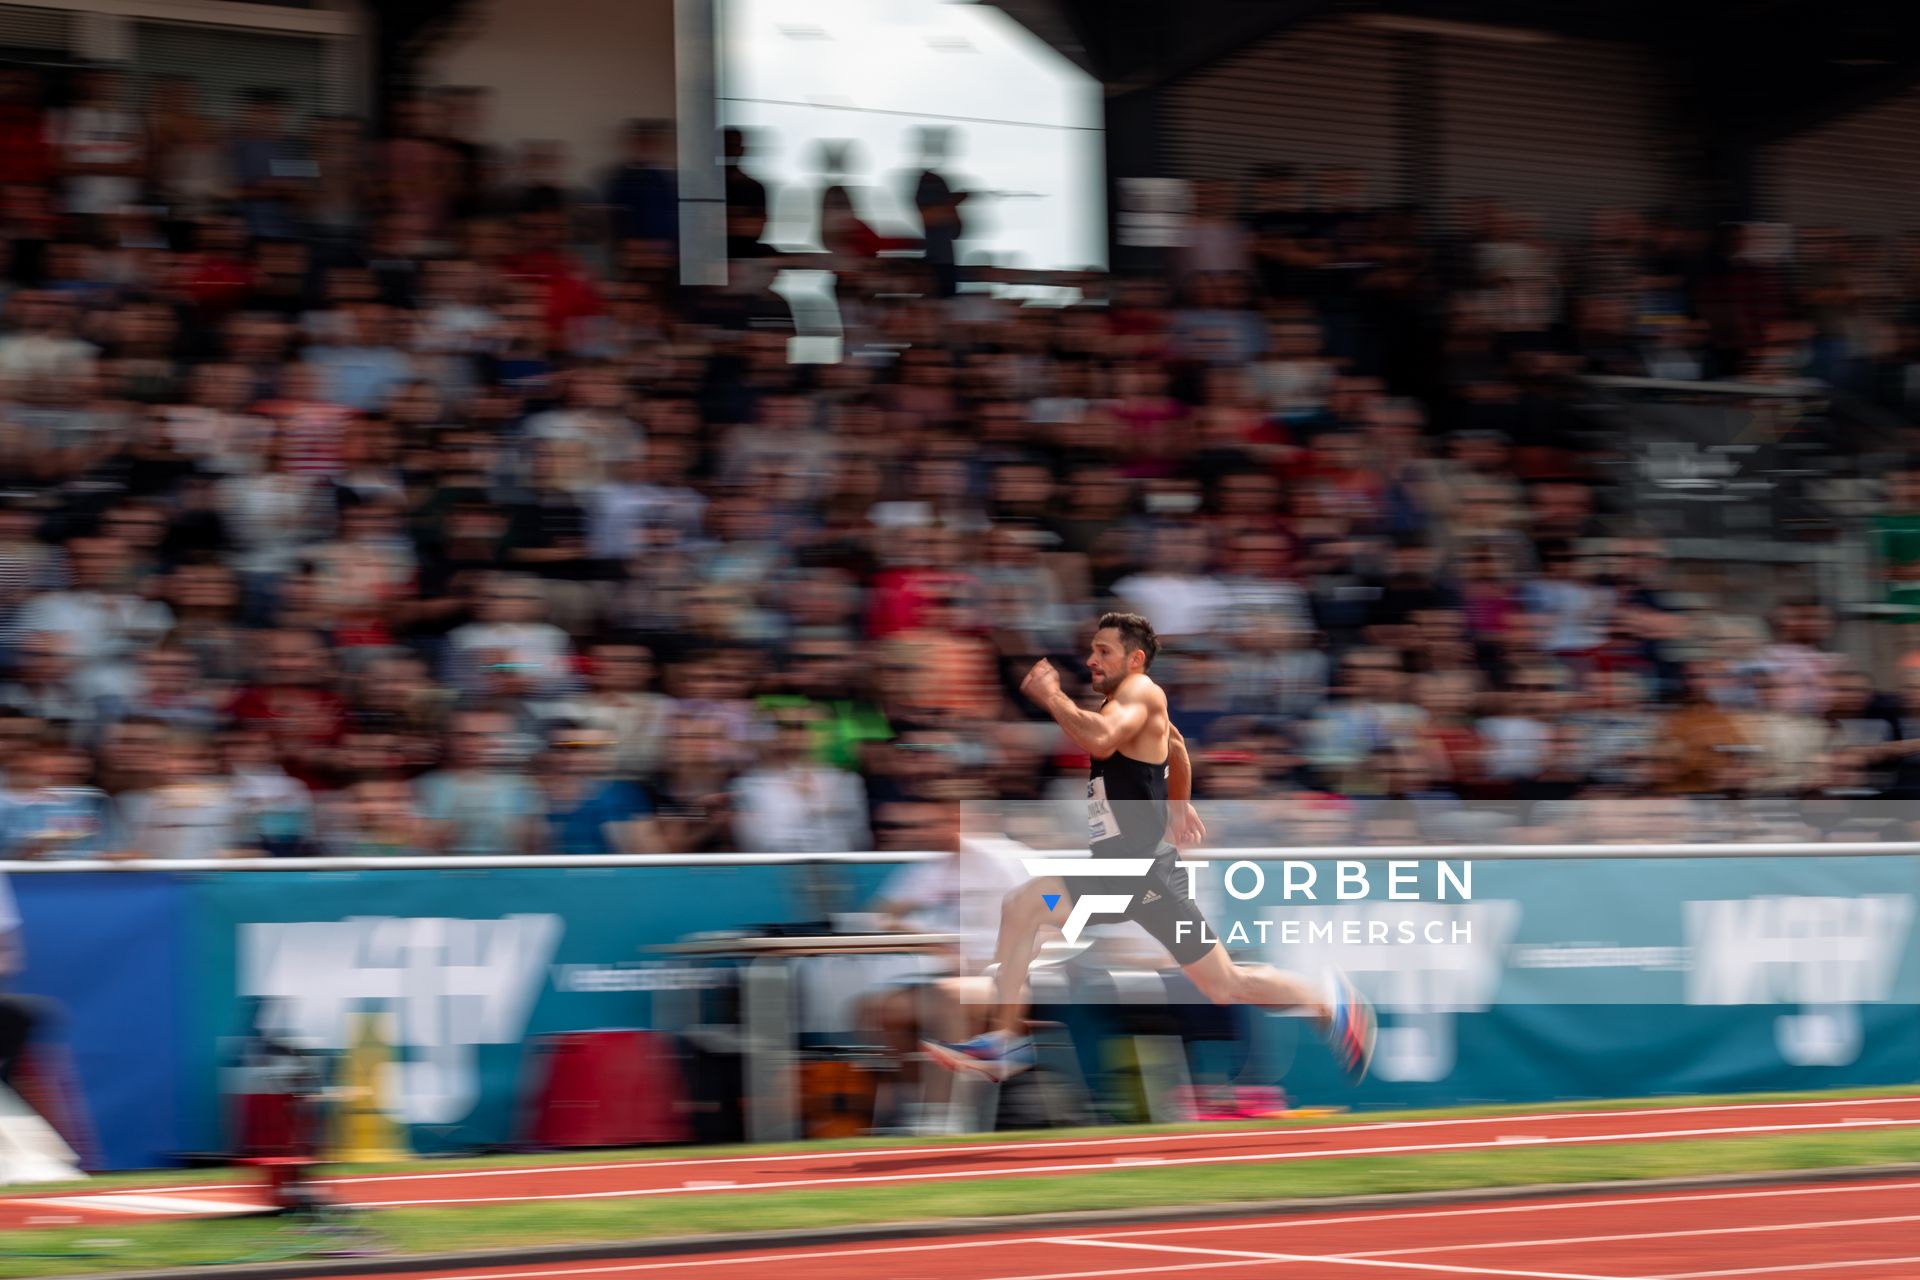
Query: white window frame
x,y
339,21
103,31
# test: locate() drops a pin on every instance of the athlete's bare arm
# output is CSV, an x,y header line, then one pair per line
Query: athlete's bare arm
x,y
1179,767
1134,717
1184,828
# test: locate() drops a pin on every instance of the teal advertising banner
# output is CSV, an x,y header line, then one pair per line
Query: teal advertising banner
x,y
1564,978
471,963
1551,979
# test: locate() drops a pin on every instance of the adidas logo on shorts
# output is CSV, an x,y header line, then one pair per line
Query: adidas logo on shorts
x,y
1151,895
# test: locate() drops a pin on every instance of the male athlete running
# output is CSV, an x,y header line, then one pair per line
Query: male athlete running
x,y
1139,805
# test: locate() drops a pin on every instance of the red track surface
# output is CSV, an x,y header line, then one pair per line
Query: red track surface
x,y
1858,1231
944,1163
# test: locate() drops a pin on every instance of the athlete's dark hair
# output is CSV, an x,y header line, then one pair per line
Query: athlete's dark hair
x,y
1135,633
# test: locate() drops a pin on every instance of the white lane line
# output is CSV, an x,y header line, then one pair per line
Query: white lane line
x,y
182,1206
1449,1269
934,1247
1534,1206
1163,1270
1224,1258
1254,1255
1032,1170
1081,1144
1687,1233
103,1203
1796,1268
1335,1259
990,1242
1067,1144
190,1204
152,1205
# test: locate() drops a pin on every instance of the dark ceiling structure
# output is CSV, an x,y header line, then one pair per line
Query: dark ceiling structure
x,y
1765,68
1759,68
1742,73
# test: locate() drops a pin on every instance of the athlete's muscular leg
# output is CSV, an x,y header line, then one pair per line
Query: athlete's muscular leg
x,y
1224,982
1023,914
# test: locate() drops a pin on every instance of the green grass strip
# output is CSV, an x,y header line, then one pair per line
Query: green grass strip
x,y
147,1245
195,1177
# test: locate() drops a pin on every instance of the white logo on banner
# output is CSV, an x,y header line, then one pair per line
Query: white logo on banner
x,y
1419,985
451,984
1826,955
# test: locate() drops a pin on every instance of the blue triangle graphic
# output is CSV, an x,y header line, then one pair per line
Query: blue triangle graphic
x,y
1051,899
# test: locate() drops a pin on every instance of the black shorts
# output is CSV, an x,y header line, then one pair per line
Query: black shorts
x,y
1160,905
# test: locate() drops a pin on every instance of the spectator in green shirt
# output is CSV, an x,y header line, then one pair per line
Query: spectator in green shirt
x,y
825,675
1897,537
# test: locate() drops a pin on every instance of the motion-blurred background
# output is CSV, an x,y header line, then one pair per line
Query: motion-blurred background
x,y
494,428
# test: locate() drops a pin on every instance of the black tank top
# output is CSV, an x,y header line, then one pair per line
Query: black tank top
x,y
1126,806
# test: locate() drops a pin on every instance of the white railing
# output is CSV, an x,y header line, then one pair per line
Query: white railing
x,y
1269,853
1780,389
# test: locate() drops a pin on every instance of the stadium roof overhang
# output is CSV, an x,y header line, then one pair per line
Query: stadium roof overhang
x,y
1758,69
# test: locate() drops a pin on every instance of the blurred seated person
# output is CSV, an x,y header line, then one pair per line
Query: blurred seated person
x,y
48,810
378,817
694,803
588,810
191,812
480,803
793,803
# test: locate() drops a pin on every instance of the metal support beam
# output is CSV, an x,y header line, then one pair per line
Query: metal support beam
x,y
404,31
1417,103
1134,150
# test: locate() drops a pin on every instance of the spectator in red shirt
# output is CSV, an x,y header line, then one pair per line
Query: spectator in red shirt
x,y
216,276
292,699
565,287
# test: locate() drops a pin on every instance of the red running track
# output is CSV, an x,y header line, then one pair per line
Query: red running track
x,y
938,1163
1856,1230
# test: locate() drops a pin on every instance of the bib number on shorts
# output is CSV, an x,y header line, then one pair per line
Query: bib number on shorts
x,y
1100,820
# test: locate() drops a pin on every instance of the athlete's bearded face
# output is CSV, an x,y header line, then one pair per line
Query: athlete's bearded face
x,y
1108,663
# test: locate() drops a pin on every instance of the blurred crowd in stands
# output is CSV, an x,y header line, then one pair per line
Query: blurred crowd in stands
x,y
380,495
